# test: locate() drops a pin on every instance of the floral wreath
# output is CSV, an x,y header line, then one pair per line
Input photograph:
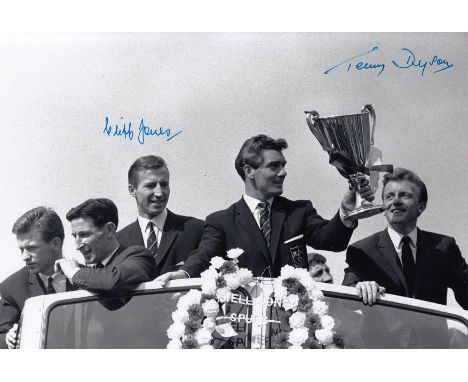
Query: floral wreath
x,y
311,326
194,319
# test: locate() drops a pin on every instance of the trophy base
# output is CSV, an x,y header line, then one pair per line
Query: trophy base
x,y
364,212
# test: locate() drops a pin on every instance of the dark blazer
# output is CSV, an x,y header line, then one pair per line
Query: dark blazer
x,y
180,236
235,227
125,270
14,291
439,265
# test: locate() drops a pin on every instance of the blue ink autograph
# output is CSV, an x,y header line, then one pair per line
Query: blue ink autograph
x,y
353,64
126,131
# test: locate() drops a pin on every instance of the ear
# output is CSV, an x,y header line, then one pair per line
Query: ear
x,y
110,228
249,171
421,208
56,242
132,190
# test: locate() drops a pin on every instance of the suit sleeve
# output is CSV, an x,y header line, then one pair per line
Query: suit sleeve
x,y
212,243
9,315
137,266
329,235
355,258
458,277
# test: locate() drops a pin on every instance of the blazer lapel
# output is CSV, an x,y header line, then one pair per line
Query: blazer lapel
x,y
136,233
245,218
278,215
168,237
391,261
423,251
36,285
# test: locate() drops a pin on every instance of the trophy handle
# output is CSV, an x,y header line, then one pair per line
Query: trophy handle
x,y
369,109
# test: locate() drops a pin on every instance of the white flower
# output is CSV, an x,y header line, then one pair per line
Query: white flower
x,y
234,253
280,293
302,275
298,336
210,308
176,330
245,276
327,322
232,280
309,284
191,298
180,315
290,302
297,320
208,286
315,294
174,344
209,324
210,273
223,294
203,336
319,307
324,336
288,271
217,262
206,347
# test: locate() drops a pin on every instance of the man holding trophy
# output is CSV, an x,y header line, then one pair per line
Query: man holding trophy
x,y
272,231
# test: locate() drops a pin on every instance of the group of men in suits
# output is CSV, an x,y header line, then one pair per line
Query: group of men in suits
x,y
272,231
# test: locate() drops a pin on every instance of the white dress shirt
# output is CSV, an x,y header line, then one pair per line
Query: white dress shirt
x,y
59,281
158,222
396,237
252,203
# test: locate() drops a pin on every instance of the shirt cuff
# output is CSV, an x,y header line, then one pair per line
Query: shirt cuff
x,y
346,223
186,273
72,273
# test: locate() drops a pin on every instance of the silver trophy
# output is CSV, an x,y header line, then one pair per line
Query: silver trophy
x,y
348,140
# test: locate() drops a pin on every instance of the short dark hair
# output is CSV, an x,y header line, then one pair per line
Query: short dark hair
x,y
402,174
316,258
144,163
250,152
43,220
101,211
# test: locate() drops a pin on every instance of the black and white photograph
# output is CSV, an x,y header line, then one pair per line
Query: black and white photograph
x,y
234,190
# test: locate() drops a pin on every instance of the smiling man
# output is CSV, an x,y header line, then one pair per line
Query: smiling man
x,y
404,259
111,267
271,230
168,236
39,234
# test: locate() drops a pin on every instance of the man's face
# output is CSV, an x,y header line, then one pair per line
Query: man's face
x,y
401,200
269,176
151,191
93,242
38,255
321,273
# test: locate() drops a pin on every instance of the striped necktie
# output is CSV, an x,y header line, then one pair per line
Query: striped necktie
x,y
265,224
152,242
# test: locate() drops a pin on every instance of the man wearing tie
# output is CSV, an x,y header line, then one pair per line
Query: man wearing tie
x,y
168,236
271,230
111,267
39,233
404,259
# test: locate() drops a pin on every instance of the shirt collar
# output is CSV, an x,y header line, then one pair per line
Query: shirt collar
x,y
252,203
107,259
158,221
396,237
57,277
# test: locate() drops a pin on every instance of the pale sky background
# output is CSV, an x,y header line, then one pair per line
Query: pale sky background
x,y
220,89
